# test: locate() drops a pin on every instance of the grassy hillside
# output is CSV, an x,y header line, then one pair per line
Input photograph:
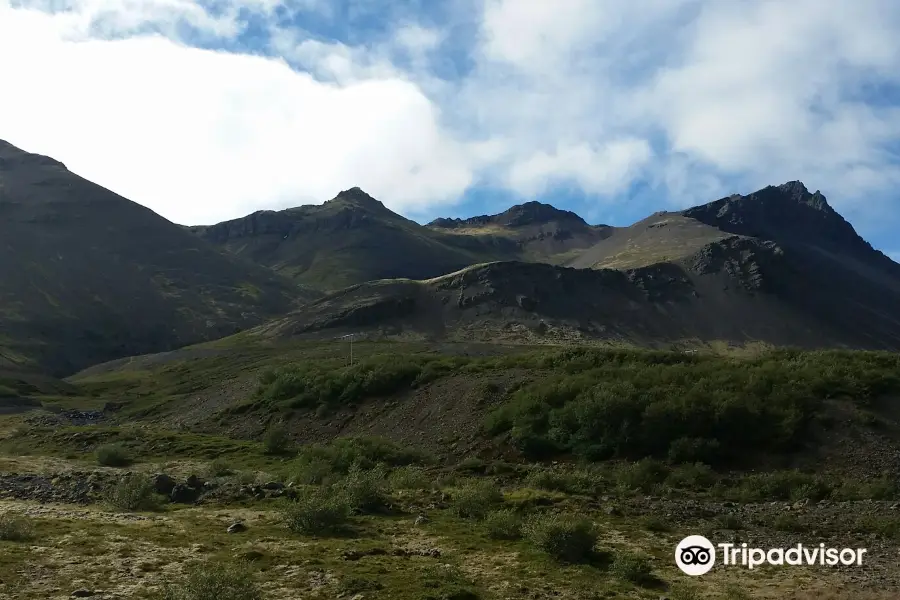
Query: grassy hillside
x,y
88,276
451,471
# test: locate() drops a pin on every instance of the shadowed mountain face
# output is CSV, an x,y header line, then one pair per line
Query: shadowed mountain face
x,y
88,276
354,238
349,239
779,266
542,232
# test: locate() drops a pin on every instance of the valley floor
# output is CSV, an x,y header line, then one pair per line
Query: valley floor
x,y
75,543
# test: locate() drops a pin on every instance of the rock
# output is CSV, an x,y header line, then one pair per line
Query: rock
x,y
421,520
83,594
236,528
163,484
183,494
194,482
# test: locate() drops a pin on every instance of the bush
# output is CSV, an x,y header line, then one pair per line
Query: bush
x,y
134,493
645,475
214,581
220,468
567,538
599,404
311,470
276,440
318,511
15,528
113,455
475,499
364,490
656,525
503,525
697,476
366,452
567,481
632,567
409,478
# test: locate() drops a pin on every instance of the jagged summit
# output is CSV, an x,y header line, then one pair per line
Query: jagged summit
x,y
520,215
787,213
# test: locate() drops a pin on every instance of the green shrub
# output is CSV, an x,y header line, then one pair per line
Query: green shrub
x,y
696,476
134,493
567,538
475,499
503,525
113,455
318,511
312,470
645,475
214,581
276,440
364,490
656,524
409,478
220,468
366,452
574,481
782,485
632,567
599,404
15,528
693,450
788,522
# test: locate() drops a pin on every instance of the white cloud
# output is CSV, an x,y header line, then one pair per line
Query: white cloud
x,y
200,136
699,98
606,170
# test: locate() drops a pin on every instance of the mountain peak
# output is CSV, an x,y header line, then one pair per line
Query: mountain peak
x,y
786,213
357,196
519,215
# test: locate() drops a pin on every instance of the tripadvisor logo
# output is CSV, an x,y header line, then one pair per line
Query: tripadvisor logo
x,y
696,555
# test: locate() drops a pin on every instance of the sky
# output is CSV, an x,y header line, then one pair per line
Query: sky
x,y
209,110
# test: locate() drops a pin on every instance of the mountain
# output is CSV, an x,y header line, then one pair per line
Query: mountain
x,y
89,276
543,233
354,238
778,266
347,240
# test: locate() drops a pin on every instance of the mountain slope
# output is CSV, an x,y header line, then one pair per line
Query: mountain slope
x,y
349,239
543,233
88,276
354,238
807,280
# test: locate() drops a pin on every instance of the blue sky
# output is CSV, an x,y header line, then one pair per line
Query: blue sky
x,y
205,111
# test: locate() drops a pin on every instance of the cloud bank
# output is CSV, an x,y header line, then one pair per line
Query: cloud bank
x,y
209,111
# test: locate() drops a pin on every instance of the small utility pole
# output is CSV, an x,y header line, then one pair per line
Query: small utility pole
x,y
350,336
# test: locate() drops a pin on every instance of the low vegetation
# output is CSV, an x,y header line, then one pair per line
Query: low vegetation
x,y
134,493
567,538
214,580
15,528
